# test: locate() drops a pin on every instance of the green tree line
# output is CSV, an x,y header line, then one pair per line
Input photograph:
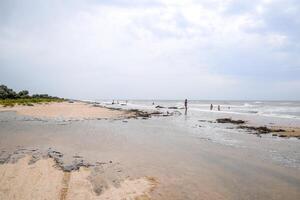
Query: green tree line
x,y
8,97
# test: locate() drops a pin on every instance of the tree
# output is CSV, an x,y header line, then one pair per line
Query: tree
x,y
7,93
23,94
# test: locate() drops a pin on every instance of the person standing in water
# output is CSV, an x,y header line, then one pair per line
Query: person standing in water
x,y
211,106
219,107
185,105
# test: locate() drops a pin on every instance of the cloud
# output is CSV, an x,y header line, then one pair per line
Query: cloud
x,y
151,49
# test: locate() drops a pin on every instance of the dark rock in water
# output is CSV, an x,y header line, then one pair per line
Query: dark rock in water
x,y
75,166
282,135
53,153
209,121
159,106
4,158
101,163
138,113
173,107
261,129
77,156
156,113
229,120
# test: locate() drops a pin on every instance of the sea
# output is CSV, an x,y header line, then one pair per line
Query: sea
x,y
200,122
280,109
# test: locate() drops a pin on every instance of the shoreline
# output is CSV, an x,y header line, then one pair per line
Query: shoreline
x,y
87,110
78,110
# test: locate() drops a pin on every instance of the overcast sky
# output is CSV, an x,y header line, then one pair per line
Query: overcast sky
x,y
158,49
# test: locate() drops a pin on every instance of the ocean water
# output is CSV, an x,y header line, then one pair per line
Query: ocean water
x,y
200,124
281,109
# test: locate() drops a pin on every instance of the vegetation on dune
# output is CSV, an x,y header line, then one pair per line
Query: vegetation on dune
x,y
8,97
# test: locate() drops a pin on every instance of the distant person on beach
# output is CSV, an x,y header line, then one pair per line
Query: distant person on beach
x,y
211,107
185,105
153,103
113,102
219,107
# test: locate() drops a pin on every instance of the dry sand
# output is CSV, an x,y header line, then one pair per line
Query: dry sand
x,y
43,180
76,110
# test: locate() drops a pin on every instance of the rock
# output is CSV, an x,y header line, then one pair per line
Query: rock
x,y
76,164
260,129
77,156
173,107
209,121
282,136
229,120
156,113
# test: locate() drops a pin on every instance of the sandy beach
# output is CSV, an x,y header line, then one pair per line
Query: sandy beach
x,y
43,180
67,110
66,151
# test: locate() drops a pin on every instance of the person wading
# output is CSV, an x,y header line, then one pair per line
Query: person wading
x,y
185,106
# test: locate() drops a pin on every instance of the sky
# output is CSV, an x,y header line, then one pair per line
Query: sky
x,y
158,49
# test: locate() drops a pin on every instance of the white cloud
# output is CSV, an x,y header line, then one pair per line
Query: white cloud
x,y
185,45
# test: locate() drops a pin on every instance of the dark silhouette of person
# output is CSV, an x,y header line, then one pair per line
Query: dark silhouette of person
x,y
219,107
185,105
211,106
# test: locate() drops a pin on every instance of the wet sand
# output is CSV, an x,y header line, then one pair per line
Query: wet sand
x,y
183,161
